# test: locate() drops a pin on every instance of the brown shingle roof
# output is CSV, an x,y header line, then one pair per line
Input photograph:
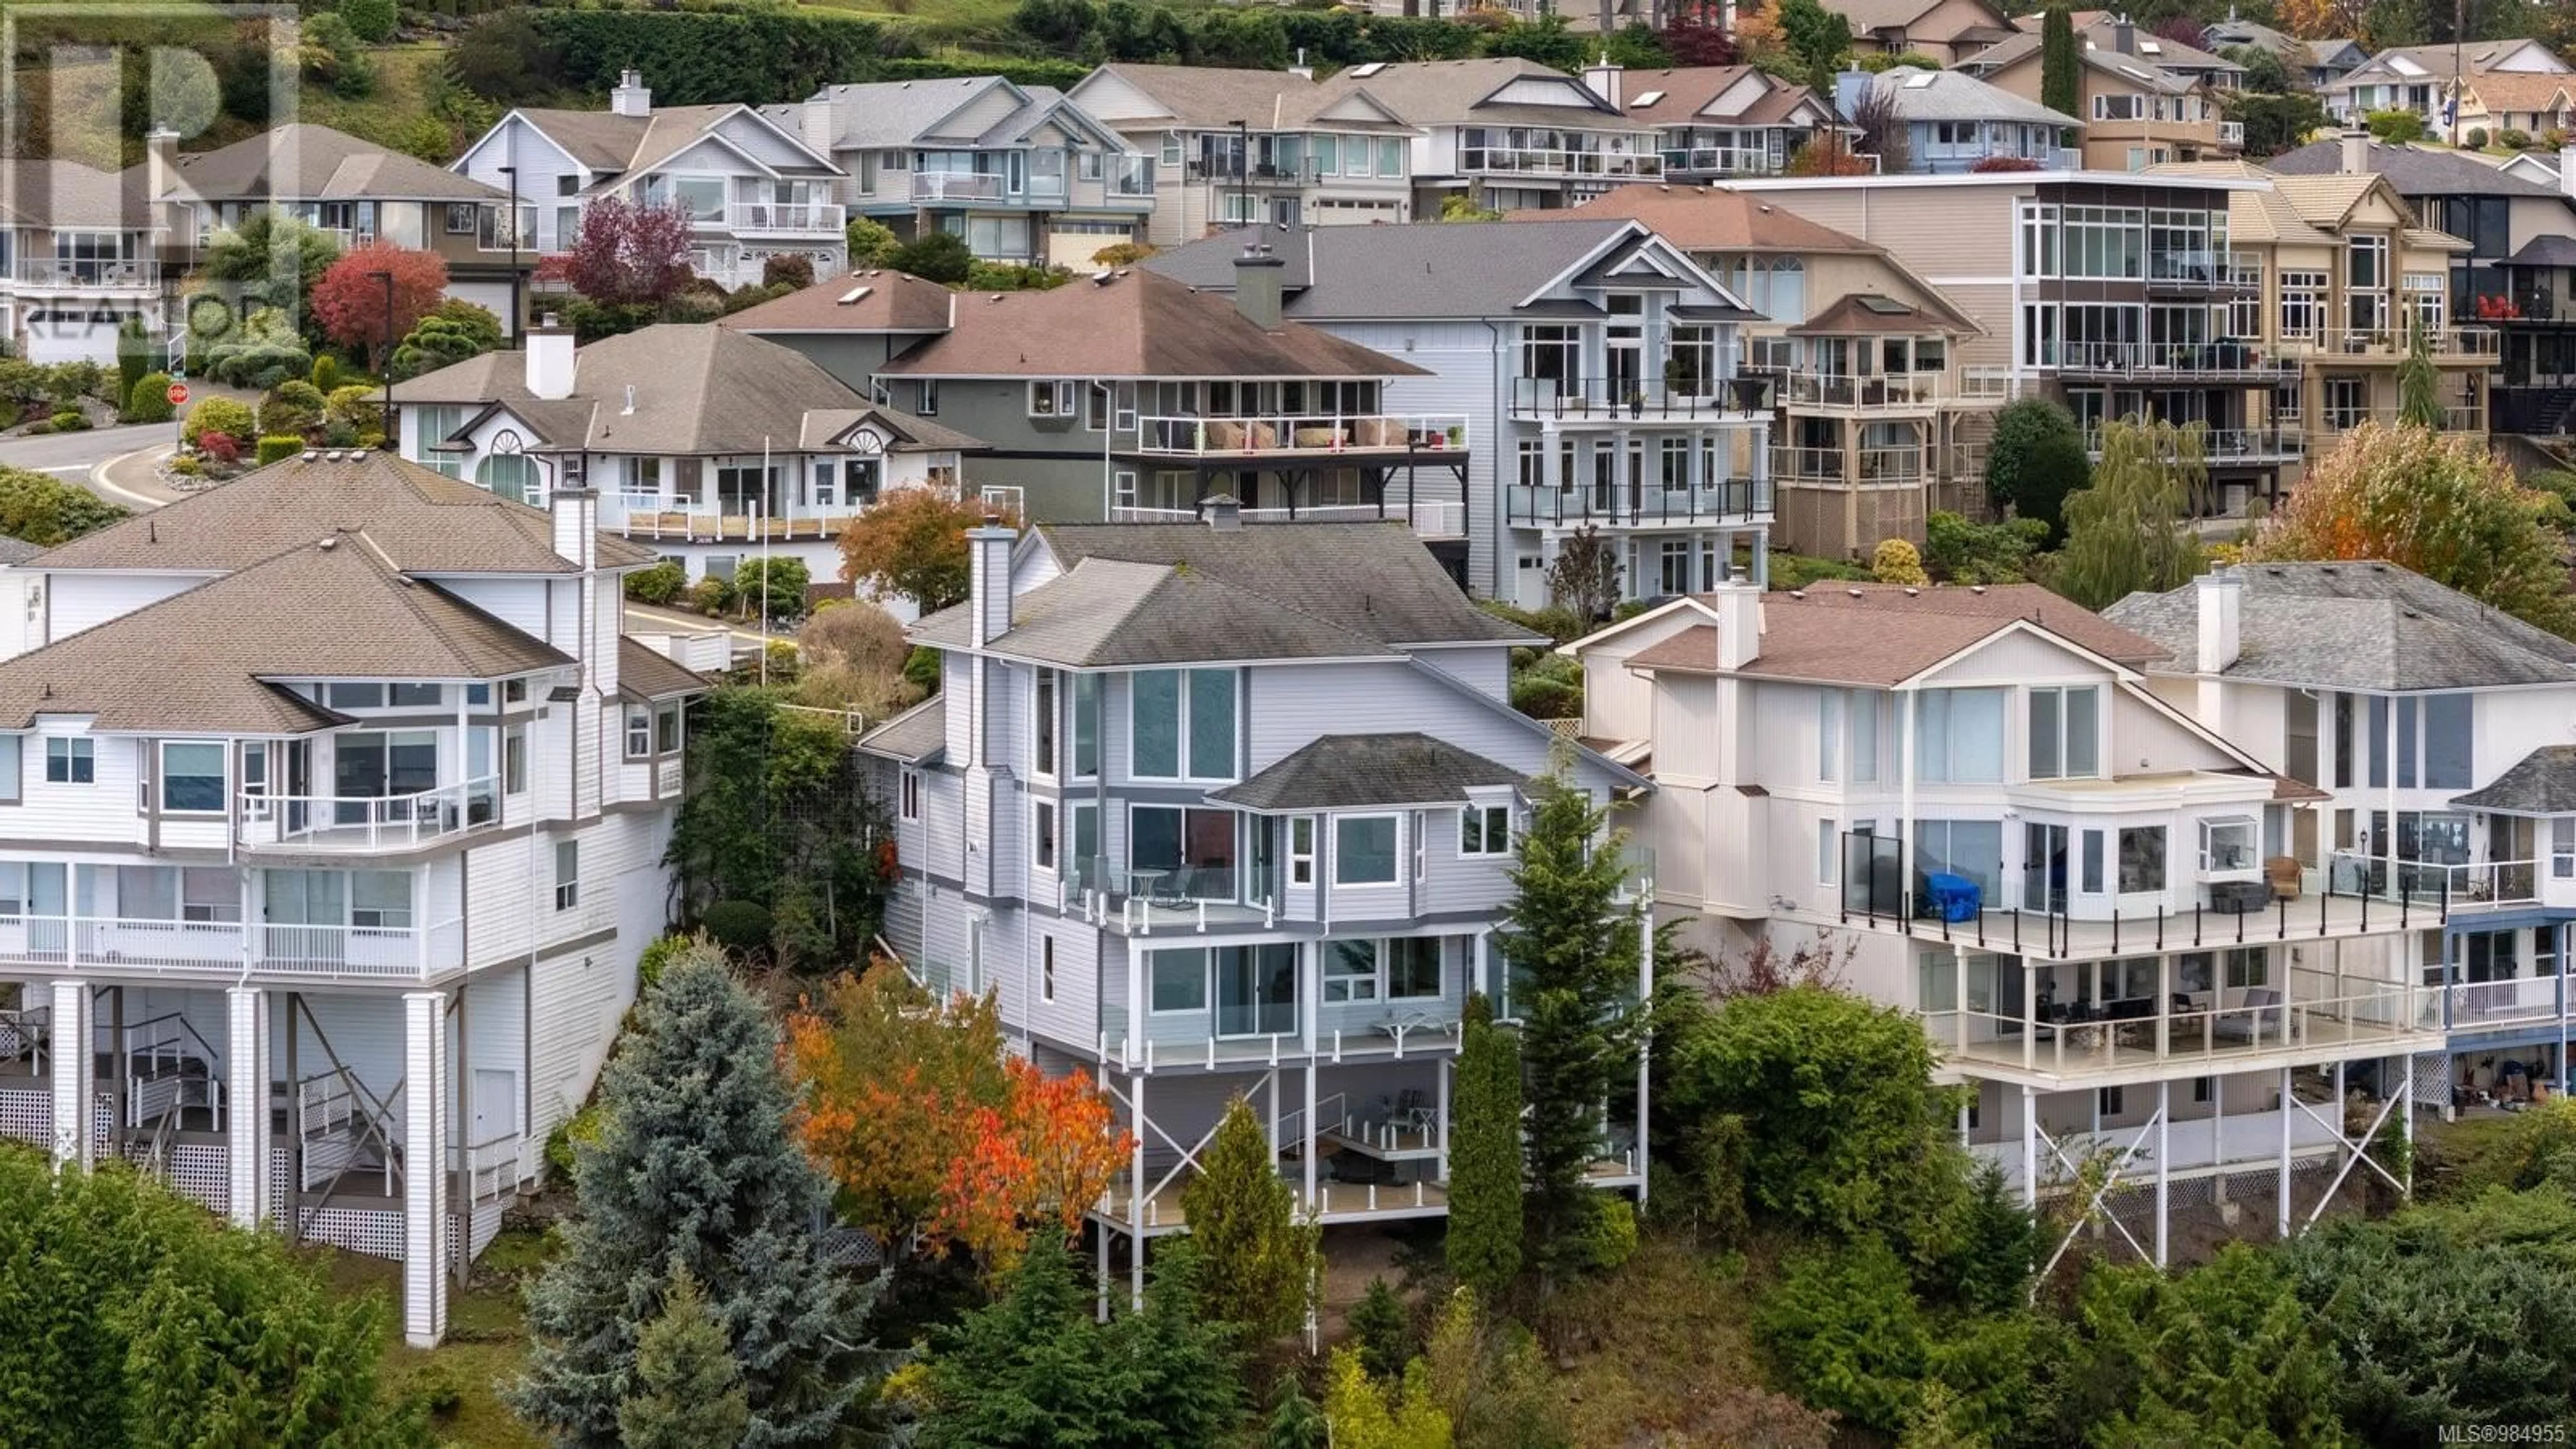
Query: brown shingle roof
x,y
1138,324
424,523
1878,636
1684,93
1217,97
644,672
1857,314
885,302
67,193
2515,90
302,161
1709,219
200,661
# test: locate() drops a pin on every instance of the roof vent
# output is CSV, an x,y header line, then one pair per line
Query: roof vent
x,y
310,455
1855,593
329,544
1976,588
630,400
1799,594
1913,593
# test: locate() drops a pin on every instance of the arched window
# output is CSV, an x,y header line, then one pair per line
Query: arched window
x,y
509,474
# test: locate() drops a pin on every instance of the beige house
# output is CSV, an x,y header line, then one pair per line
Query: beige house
x,y
2531,102
1949,31
2144,100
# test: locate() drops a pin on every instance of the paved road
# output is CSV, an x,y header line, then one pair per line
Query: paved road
x,y
72,456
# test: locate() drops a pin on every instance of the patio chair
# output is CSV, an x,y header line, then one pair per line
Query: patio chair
x,y
2283,872
2262,1014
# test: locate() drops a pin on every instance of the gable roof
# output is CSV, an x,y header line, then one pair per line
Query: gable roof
x,y
1424,269
1458,92
2265,214
67,193
2520,90
1878,636
615,145
1685,94
2361,626
303,161
1858,314
876,300
2413,170
914,737
700,388
1870,16
1112,613
1215,97
1950,95
1135,324
422,523
2439,62
203,660
1709,219
1351,772
646,673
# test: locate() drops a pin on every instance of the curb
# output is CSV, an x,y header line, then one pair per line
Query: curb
x,y
98,478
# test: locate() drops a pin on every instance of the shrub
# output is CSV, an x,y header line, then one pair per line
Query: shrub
x,y
777,584
1607,1236
711,596
1551,688
69,420
660,584
2517,139
354,406
186,467
1558,623
657,954
870,241
2003,163
738,926
277,446
922,667
293,406
326,373
787,271
2396,127
222,447
1799,570
2477,138
217,415
940,257
149,402
1898,562
1844,1326
371,21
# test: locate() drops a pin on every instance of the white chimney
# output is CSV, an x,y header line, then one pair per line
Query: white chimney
x,y
815,122
1301,70
2356,151
2567,169
1739,622
548,352
1603,76
2220,597
988,585
632,97
160,163
574,508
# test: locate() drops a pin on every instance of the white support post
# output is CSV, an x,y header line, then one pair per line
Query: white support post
x,y
1100,1280
1447,1065
246,1084
2218,1139
2164,1160
2406,1119
75,1075
1645,1056
2029,1148
1306,1130
424,1167
1137,1187
2282,1221
1273,1084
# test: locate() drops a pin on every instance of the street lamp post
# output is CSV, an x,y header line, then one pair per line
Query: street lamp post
x,y
513,173
387,277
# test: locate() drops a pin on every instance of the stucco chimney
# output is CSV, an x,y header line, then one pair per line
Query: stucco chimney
x,y
2567,169
574,506
1223,511
631,97
2124,37
2356,150
2220,597
549,355
1739,623
1259,279
988,585
1606,79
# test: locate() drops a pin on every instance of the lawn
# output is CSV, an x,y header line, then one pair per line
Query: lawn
x,y
486,1341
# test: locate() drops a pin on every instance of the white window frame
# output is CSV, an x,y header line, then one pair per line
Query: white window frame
x,y
1484,831
223,775
908,796
1395,870
2064,768
78,755
567,874
1055,397
1186,697
1346,988
1301,850
1046,724
639,733
1044,848
2562,848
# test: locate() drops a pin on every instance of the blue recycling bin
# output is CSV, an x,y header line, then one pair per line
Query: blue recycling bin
x,y
1954,898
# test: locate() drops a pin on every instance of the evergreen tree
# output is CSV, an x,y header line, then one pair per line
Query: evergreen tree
x,y
695,1169
1484,1243
1255,1258
1382,1330
2419,385
690,1388
2027,464
2132,529
1575,944
2060,85
1819,38
1033,1371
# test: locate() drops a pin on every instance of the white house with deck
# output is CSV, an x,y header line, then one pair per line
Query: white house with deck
x,y
335,808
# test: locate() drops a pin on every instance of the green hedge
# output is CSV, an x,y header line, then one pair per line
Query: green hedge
x,y
698,58
149,402
272,449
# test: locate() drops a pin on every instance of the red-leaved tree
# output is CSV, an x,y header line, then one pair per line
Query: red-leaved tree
x,y
625,254
1697,35
349,299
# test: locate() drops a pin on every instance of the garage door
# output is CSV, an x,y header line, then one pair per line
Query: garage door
x,y
63,335
492,297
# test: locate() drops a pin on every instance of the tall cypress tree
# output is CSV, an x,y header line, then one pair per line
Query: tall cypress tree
x,y
1256,1259
2059,88
1484,1244
2419,384
695,1169
1575,944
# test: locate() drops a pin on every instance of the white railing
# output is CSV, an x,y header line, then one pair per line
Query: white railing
x,y
486,1171
53,272
230,948
1445,518
1530,161
1720,160
2395,340
2234,445
956,186
2478,1003
1839,390
366,822
661,516
2234,1022
787,216
1322,433
1987,380
2451,419
2205,268
1826,465
2219,356
2231,133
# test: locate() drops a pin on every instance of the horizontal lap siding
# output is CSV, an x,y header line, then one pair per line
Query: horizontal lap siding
x,y
77,601
1074,1014
1460,358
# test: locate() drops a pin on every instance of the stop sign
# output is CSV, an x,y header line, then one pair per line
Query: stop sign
x,y
178,394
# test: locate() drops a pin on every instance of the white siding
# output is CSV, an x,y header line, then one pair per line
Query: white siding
x,y
519,603
82,599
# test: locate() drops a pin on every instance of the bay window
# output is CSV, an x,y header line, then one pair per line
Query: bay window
x,y
1364,850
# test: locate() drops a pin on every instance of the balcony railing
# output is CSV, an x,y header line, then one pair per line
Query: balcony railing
x,y
1808,388
2318,1010
1501,161
685,520
1988,382
2238,271
956,186
1827,465
1301,434
2476,1004
1578,399
2231,133
1640,504
113,275
227,949
360,823
1442,519
2391,343
1719,161
2233,445
2454,419
2222,358
792,217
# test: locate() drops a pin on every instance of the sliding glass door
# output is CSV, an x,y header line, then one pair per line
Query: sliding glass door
x,y
1256,990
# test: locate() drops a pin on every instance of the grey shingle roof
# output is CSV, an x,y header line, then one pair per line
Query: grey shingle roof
x,y
1453,92
201,660
914,737
2542,783
1949,95
1214,97
1349,772
309,162
423,522
1428,269
2413,170
644,672
17,551
891,113
1107,614
2361,626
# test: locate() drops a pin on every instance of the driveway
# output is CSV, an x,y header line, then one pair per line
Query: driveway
x,y
79,457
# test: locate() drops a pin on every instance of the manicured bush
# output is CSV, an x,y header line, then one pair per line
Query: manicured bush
x,y
69,420
711,596
737,925
660,584
326,373
277,446
217,415
2518,140
149,402
221,447
791,271
186,467
2477,138
372,21
294,406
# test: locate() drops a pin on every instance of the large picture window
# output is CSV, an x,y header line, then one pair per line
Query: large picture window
x,y
1183,724
1364,850
1959,736
192,777
2142,859
2065,733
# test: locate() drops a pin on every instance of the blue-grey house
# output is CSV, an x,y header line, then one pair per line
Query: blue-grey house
x,y
1954,120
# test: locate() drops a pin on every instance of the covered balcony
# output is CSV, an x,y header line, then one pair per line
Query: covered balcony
x,y
1303,434
1680,398
221,924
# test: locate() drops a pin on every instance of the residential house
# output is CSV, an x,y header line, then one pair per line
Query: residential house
x,y
1974,804
1504,133
852,325
1021,173
2143,99
1235,147
2535,104
357,191
706,444
1718,121
79,259
1955,123
2543,167
1602,364
2427,79
2312,63
753,188
1224,811
340,806
1876,423
1948,31
2436,727
2500,214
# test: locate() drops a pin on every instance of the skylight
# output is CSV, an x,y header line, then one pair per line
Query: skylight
x,y
1648,99
854,294
1363,72
2151,47
1883,306
1921,79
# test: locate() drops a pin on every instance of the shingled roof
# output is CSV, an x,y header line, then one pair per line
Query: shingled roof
x,y
303,161
1878,635
418,521
203,661
1351,772
866,301
2540,783
2359,626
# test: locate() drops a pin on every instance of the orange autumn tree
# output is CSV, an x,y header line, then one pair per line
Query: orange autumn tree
x,y
934,1134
